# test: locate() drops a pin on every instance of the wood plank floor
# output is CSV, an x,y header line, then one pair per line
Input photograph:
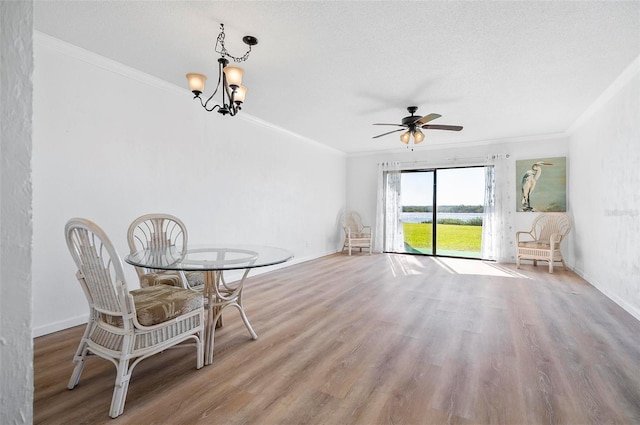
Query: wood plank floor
x,y
380,339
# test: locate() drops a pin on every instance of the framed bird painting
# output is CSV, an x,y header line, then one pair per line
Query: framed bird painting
x,y
541,185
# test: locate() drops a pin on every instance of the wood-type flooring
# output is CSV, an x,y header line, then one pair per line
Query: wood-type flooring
x,y
381,339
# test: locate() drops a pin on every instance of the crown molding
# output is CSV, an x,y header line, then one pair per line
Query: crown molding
x,y
266,124
619,84
87,56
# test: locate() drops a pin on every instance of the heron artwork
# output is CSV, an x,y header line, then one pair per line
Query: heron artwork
x,y
529,181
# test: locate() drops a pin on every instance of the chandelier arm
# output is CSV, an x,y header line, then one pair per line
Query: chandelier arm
x,y
212,109
220,79
224,108
204,104
231,107
230,94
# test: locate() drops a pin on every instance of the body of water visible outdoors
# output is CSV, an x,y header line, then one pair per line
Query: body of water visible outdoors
x,y
419,217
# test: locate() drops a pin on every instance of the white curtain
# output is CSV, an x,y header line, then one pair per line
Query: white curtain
x,y
498,220
489,236
389,234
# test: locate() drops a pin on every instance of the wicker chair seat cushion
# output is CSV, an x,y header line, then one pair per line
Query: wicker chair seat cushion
x,y
195,278
159,303
161,277
535,244
171,278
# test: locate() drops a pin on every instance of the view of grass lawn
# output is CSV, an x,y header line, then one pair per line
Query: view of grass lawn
x,y
450,237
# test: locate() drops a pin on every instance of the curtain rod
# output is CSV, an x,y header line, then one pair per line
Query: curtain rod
x,y
488,157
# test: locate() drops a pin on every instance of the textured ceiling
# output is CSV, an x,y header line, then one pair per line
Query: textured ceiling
x,y
328,70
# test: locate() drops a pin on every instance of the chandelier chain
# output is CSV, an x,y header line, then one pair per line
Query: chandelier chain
x,y
223,50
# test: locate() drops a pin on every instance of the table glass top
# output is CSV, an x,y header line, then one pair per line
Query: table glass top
x,y
210,257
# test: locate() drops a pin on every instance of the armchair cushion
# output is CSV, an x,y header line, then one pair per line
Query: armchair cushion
x,y
159,303
171,278
195,278
535,244
160,277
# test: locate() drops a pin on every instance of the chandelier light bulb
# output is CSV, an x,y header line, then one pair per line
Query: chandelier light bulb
x,y
405,137
234,75
196,82
239,95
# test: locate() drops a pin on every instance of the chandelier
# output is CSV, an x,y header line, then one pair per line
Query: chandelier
x,y
229,79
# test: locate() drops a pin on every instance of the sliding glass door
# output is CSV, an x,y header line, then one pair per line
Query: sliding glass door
x,y
460,200
442,211
417,211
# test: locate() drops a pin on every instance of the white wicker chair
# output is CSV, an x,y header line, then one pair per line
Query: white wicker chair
x,y
127,327
356,235
543,241
161,231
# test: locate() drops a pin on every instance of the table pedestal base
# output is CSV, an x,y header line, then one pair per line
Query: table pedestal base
x,y
218,295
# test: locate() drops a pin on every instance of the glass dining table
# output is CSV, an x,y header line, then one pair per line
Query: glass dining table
x,y
213,261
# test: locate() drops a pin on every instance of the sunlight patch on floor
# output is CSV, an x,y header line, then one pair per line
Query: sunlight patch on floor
x,y
406,265
475,267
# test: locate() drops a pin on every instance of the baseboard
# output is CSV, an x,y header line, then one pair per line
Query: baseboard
x,y
613,297
292,262
60,325
79,320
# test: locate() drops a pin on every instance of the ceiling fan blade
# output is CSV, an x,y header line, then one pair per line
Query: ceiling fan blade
x,y
384,134
399,125
442,127
427,118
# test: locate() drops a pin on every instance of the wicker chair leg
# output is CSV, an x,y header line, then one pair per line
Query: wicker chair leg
x,y
120,389
200,351
77,370
78,359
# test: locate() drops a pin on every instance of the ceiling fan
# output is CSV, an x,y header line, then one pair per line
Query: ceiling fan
x,y
414,123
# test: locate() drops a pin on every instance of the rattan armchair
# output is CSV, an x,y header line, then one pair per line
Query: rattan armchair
x,y
542,242
127,327
161,231
356,234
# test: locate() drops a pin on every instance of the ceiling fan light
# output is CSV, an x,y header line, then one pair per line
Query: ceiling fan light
x,y
234,75
418,136
405,137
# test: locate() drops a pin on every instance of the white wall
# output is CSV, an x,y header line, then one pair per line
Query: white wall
x,y
16,347
111,144
605,182
362,171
